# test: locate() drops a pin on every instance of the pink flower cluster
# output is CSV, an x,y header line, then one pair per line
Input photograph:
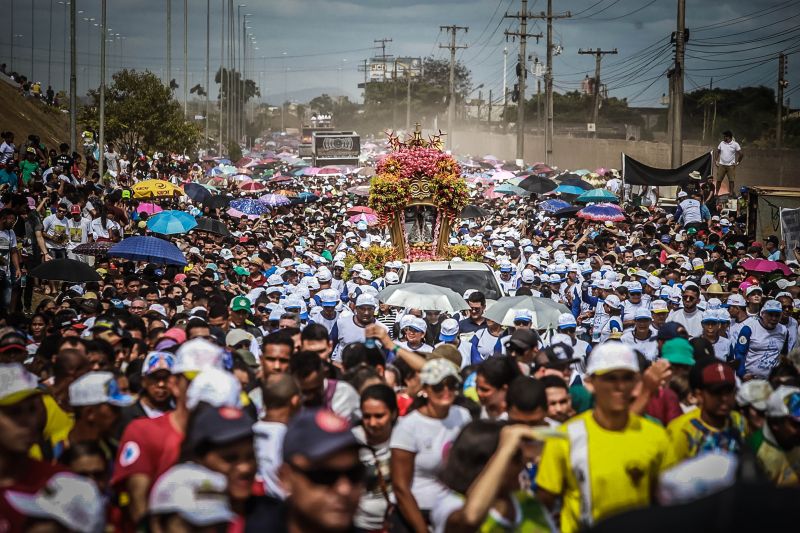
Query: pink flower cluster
x,y
418,162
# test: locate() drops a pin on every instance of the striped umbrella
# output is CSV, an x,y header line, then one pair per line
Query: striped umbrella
x,y
603,212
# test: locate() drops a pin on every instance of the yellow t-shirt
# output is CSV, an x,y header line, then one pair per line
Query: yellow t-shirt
x,y
690,435
56,430
623,466
782,467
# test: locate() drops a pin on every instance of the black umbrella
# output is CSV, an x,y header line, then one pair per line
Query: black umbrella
x,y
65,270
537,185
577,182
473,211
567,176
196,192
566,212
218,201
93,248
212,225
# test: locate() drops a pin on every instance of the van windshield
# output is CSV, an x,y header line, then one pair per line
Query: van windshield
x,y
460,281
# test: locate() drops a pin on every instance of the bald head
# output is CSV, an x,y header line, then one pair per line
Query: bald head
x,y
279,391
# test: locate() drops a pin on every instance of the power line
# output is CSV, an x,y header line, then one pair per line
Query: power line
x,y
744,18
628,14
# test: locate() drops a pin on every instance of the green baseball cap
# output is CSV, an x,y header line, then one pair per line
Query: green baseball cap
x,y
126,194
242,271
241,303
678,351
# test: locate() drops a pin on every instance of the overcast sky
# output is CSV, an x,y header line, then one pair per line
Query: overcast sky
x,y
314,45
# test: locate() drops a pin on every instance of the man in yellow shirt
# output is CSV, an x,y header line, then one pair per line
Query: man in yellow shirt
x,y
714,426
779,449
611,460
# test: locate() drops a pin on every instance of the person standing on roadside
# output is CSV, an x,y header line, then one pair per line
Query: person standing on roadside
x,y
728,155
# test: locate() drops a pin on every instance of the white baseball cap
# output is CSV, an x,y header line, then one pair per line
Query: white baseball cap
x,y
95,388
197,494
610,356
416,323
365,274
642,313
737,300
328,297
566,320
654,282
197,355
16,383
785,401
612,300
755,392
366,299
215,387
449,330
772,306
659,306
391,278
324,275
71,500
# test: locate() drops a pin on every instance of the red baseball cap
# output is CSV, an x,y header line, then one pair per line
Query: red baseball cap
x,y
716,375
75,210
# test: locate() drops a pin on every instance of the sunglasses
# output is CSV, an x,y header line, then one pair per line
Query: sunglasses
x,y
328,477
449,383
522,322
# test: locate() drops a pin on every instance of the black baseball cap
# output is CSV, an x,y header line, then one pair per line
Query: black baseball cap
x,y
316,434
218,426
671,330
557,355
523,339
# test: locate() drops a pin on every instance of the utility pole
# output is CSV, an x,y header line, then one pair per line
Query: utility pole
x,y
489,118
522,72
676,88
185,58
208,62
221,71
408,100
451,107
73,80
548,81
101,160
382,44
598,55
50,44
505,83
169,42
782,84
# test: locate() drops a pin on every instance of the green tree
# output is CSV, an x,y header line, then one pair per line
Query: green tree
x,y
140,110
322,104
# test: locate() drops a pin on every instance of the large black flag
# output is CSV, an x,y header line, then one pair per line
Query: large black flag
x,y
636,173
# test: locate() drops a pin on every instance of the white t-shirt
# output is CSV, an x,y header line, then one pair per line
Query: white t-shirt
x,y
691,321
727,152
98,231
8,242
53,230
430,440
372,506
268,443
78,232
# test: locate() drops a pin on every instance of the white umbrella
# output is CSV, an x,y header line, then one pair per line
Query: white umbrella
x,y
423,296
544,311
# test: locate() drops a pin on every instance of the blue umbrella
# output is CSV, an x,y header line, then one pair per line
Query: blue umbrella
x,y
304,198
197,192
570,189
553,205
272,200
597,196
249,206
149,249
171,222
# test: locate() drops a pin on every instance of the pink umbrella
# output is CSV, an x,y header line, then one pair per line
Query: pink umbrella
x,y
503,175
310,171
491,195
329,171
764,265
235,213
369,218
360,209
150,209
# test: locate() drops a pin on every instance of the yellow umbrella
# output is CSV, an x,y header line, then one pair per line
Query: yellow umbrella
x,y
155,189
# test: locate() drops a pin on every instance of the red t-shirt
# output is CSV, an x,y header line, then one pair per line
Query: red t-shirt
x,y
148,446
37,473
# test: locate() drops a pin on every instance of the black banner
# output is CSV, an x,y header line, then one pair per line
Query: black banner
x,y
636,173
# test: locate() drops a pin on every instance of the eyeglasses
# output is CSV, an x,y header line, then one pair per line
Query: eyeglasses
x,y
449,383
328,477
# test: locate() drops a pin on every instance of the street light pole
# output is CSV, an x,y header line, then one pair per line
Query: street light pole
x,y
50,43
102,147
73,80
185,59
208,60
33,38
169,43
64,49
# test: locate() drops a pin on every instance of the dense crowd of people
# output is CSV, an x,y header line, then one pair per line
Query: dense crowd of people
x,y
266,385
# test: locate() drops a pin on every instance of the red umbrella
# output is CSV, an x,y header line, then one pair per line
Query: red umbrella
x,y
764,265
360,209
253,186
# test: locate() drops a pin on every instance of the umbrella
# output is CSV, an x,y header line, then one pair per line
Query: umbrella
x,y
360,209
218,201
423,296
491,193
171,222
279,179
304,197
764,265
595,180
248,206
359,190
329,171
473,211
309,171
70,270
569,189
553,205
602,213
535,184
150,209
155,189
212,225
597,195
581,172
94,249
149,249
238,214
197,192
502,175
366,172
507,188
369,218
253,186
577,182
272,200
566,212
544,310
